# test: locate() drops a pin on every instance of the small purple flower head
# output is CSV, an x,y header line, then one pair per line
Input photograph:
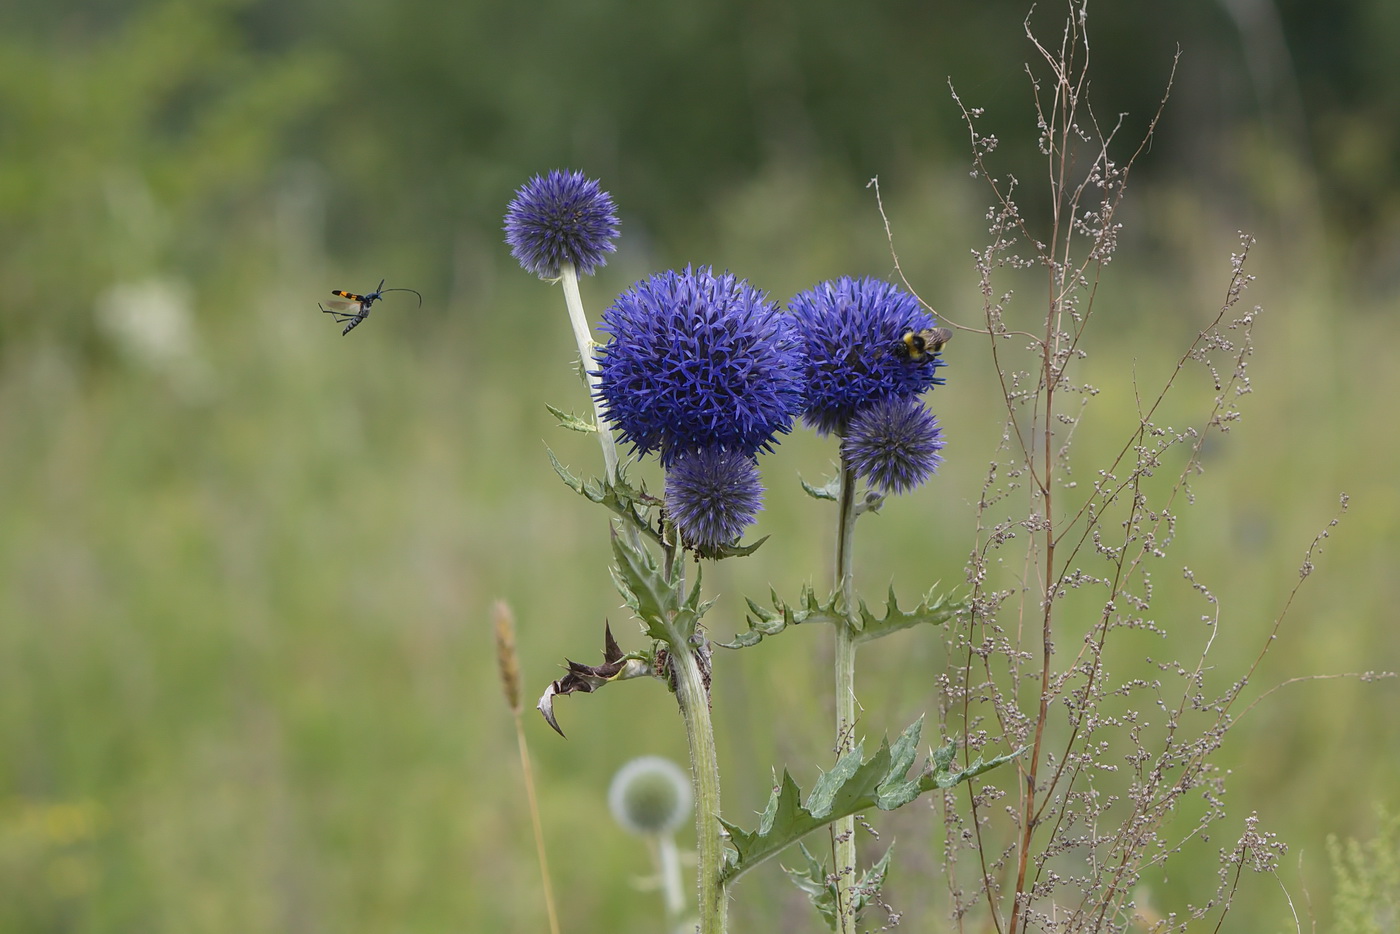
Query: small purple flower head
x,y
561,218
712,495
851,328
893,445
696,361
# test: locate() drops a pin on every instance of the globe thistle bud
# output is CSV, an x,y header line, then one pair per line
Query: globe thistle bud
x,y
650,796
712,495
893,445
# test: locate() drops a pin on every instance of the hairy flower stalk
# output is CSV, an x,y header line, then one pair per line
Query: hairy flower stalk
x,y
694,700
588,358
844,831
560,225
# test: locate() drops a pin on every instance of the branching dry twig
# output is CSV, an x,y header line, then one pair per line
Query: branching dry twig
x,y
1112,760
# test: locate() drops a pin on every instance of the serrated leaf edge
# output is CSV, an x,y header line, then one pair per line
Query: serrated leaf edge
x,y
853,785
934,609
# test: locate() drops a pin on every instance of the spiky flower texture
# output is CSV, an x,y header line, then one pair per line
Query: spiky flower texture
x,y
894,444
712,495
698,360
561,218
850,328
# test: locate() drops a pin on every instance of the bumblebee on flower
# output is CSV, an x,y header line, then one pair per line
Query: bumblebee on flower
x,y
862,391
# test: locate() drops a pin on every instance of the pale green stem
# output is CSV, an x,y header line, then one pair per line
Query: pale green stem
x,y
694,702
583,336
844,830
668,866
693,697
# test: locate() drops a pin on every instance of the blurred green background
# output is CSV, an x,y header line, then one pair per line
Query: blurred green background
x,y
247,679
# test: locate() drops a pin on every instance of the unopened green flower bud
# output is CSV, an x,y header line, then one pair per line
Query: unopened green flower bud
x,y
650,796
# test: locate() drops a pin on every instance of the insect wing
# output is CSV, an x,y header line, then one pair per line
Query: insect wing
x,y
935,339
345,301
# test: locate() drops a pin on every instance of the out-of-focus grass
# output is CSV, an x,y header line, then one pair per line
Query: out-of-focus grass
x,y
245,620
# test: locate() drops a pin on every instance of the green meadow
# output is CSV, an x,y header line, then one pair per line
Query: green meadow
x,y
247,673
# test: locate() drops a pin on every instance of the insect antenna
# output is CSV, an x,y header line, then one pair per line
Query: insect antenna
x,y
414,291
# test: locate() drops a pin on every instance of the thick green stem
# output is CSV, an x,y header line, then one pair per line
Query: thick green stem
x,y
844,830
583,336
704,771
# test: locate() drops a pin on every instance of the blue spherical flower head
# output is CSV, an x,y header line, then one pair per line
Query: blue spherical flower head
x,y
712,495
851,329
698,360
894,444
561,218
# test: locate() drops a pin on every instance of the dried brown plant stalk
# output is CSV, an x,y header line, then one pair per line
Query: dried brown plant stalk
x,y
508,665
1119,774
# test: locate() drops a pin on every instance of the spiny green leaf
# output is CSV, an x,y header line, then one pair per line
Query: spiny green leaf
x,y
572,422
852,778
573,482
619,496
943,756
853,785
812,879
644,588
693,604
654,596
784,810
765,622
815,881
873,879
830,491
942,778
934,610
687,615
895,790
870,502
906,748
867,890
731,551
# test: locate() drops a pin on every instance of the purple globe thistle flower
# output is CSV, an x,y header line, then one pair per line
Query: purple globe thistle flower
x,y
851,328
712,495
698,360
561,218
893,445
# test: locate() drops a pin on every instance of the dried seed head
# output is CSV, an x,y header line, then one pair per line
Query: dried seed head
x,y
506,658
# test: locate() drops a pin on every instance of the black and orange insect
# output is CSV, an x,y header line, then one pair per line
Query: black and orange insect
x,y
350,309
921,345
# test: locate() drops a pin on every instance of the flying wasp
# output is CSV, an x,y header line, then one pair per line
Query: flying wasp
x,y
918,346
350,309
